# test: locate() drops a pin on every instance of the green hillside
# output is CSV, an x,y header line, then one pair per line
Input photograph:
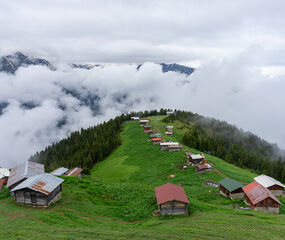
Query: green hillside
x,y
117,200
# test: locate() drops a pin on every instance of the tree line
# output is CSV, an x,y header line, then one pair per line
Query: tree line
x,y
234,145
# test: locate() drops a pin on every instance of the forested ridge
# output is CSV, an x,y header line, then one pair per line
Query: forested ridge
x,y
232,144
86,147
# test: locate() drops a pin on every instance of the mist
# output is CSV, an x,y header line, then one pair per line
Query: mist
x,y
44,106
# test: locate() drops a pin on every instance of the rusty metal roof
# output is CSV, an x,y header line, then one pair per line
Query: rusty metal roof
x,y
156,139
267,181
44,183
28,169
204,166
59,171
74,172
257,193
170,192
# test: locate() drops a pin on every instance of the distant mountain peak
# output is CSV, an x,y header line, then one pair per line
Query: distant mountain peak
x,y
11,63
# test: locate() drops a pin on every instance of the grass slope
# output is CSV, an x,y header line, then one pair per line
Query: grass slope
x,y
117,200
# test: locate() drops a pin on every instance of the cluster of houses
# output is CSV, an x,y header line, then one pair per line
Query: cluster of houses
x,y
199,162
258,195
30,185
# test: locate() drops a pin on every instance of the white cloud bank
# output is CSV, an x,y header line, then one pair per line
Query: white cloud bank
x,y
231,89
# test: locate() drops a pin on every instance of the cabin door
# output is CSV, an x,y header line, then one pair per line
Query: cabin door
x,y
33,198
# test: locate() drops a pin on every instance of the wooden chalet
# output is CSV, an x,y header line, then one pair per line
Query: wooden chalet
x,y
144,121
171,199
231,188
169,128
59,171
156,141
148,129
165,145
195,159
174,148
39,190
260,198
155,135
135,119
75,172
24,171
276,187
4,175
203,168
169,133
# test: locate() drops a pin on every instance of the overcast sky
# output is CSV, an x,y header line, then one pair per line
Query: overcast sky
x,y
238,47
140,31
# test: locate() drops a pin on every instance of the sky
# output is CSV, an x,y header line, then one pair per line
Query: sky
x,y
237,48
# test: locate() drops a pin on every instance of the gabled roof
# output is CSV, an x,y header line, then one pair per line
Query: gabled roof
x,y
156,139
44,183
169,144
59,171
28,169
155,135
267,181
74,172
257,193
170,192
230,184
4,172
204,166
196,156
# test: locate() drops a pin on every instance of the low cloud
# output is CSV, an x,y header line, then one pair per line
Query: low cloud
x,y
65,100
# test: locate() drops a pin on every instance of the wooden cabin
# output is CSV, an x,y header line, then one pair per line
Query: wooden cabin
x,y
144,121
171,199
75,172
195,159
165,145
22,172
59,171
174,148
169,113
156,141
169,128
40,190
260,198
169,133
276,187
155,135
231,188
4,175
203,168
135,119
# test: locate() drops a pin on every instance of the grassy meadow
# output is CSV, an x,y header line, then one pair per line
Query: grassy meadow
x,y
117,200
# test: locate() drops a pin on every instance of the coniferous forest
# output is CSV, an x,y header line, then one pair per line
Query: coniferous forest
x,y
232,144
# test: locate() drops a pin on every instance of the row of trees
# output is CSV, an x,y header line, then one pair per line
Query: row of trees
x,y
86,147
235,146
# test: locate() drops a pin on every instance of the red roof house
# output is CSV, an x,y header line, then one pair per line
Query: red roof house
x,y
75,172
260,198
171,199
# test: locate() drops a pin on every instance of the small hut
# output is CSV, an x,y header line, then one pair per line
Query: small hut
x,y
195,159
169,133
260,198
271,184
231,188
174,148
144,121
165,145
23,171
4,175
135,119
169,113
39,190
155,135
203,168
169,128
156,141
59,171
75,172
171,199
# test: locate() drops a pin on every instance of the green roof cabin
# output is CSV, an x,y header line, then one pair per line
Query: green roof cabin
x,y
231,188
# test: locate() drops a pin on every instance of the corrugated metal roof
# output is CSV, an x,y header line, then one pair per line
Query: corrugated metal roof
x,y
230,184
147,126
257,193
44,183
156,139
169,127
175,146
59,171
156,135
169,143
170,192
197,156
28,169
74,172
204,166
4,172
267,181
